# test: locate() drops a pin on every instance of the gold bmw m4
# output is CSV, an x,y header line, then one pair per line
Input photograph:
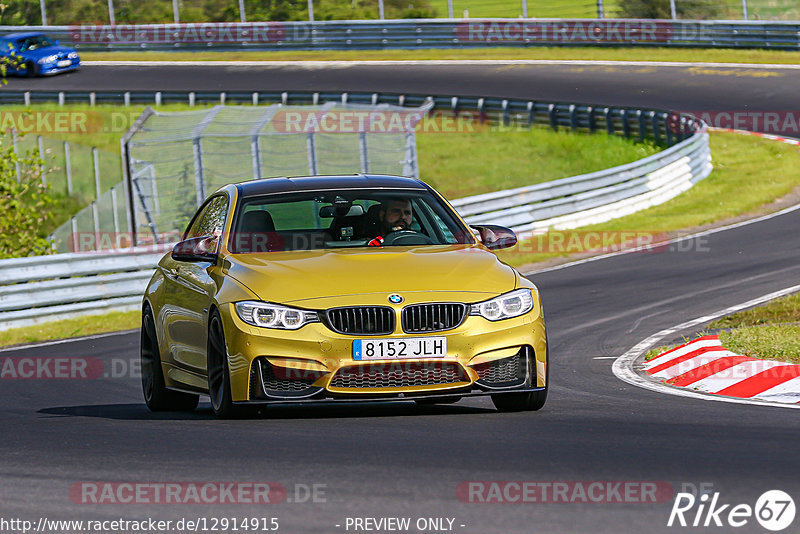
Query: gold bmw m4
x,y
339,288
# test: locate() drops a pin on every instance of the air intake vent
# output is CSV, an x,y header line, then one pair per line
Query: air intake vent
x,y
503,373
423,318
361,320
397,375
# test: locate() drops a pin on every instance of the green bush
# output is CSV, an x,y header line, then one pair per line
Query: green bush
x,y
66,12
25,205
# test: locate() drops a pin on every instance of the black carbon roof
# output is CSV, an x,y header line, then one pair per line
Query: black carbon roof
x,y
316,183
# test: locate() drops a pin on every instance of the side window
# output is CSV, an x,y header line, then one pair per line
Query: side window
x,y
211,220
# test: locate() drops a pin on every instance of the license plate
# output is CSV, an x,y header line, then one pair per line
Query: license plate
x,y
402,348
64,63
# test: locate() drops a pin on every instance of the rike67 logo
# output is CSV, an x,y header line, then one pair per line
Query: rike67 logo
x,y
774,510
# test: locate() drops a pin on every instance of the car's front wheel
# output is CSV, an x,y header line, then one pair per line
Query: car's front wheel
x,y
219,377
156,395
31,70
523,402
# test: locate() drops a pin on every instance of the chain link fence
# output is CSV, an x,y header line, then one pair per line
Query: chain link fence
x,y
175,160
60,12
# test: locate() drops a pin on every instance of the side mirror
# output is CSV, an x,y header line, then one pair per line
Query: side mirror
x,y
196,249
495,237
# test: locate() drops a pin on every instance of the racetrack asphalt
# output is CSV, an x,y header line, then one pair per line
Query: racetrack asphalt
x,y
402,460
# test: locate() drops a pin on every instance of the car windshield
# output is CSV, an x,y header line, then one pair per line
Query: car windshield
x,y
34,42
344,219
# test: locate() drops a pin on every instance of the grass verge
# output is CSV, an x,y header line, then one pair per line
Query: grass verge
x,y
67,328
770,332
689,55
740,164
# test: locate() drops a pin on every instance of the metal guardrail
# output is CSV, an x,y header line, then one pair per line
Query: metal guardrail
x,y
425,33
596,197
52,287
47,288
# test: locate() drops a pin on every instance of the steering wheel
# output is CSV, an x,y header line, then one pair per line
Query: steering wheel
x,y
407,237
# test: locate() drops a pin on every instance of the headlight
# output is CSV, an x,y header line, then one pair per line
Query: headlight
x,y
513,304
48,59
72,55
269,315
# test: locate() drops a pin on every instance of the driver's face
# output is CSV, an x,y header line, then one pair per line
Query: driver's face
x,y
397,215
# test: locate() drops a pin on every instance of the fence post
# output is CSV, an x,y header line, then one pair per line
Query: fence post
x,y
600,11
114,213
363,151
672,11
44,12
111,12
311,11
525,9
175,14
199,178
242,15
744,9
68,167
380,10
311,147
96,220
74,227
450,9
96,166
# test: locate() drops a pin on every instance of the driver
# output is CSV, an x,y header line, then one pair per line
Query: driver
x,y
394,215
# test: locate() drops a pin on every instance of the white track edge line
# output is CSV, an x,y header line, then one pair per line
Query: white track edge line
x,y
623,366
68,340
761,218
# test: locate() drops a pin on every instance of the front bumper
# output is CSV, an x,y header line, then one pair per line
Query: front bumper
x,y
52,68
315,364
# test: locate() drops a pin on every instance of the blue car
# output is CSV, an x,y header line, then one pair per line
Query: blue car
x,y
33,54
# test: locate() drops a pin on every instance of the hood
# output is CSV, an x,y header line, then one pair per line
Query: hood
x,y
39,53
321,275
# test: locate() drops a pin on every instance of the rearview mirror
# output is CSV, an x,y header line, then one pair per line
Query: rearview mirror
x,y
326,212
196,249
495,237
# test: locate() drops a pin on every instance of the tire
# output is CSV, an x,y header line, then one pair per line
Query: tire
x,y
31,71
156,395
219,376
451,399
525,402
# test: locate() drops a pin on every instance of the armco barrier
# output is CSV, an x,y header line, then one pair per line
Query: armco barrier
x,y
58,286
426,33
48,288
596,197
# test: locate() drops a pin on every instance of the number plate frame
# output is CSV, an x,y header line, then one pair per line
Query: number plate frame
x,y
405,348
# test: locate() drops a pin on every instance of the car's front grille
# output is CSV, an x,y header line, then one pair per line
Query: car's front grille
x,y
283,383
505,372
423,318
358,320
398,375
